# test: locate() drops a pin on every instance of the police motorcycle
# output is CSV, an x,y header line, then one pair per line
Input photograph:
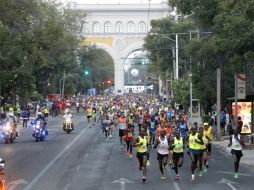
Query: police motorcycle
x,y
39,130
2,180
68,124
9,133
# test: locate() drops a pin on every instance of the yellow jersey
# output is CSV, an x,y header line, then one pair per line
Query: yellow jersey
x,y
209,133
142,145
178,145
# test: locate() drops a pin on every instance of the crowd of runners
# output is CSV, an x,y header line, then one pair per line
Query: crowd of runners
x,y
146,123
150,124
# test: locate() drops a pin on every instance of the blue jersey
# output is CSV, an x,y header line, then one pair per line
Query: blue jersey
x,y
169,115
183,129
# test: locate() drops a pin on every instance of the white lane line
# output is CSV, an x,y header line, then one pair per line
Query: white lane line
x,y
176,186
52,162
85,156
232,173
67,186
231,186
78,168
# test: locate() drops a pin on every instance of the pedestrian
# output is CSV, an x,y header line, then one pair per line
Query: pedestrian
x,y
222,122
236,144
25,116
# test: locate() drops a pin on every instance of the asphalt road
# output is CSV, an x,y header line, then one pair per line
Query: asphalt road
x,y
84,160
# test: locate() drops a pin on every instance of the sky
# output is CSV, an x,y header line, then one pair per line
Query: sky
x,y
113,1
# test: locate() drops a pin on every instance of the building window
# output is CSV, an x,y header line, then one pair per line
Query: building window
x,y
108,27
119,27
96,27
130,27
142,27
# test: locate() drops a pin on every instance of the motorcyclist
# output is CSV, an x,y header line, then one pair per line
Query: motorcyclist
x,y
41,120
68,116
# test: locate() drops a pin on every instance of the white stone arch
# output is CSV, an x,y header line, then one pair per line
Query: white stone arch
x,y
133,47
118,55
111,51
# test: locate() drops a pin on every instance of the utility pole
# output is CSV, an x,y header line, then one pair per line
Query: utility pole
x,y
236,101
174,63
190,84
63,85
177,69
218,104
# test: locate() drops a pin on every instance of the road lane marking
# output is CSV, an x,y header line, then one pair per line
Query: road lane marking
x,y
67,186
15,183
228,183
122,182
232,173
78,168
231,186
52,162
85,156
176,186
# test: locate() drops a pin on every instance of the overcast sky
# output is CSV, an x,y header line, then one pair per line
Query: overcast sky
x,y
113,1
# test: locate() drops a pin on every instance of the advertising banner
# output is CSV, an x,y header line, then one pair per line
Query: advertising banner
x,y
244,111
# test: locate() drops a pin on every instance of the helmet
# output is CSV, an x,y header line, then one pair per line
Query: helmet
x,y
205,124
39,114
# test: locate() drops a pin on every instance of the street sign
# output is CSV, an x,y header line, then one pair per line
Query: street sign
x,y
241,86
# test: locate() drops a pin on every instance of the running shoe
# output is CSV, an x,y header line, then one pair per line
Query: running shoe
x,y
144,179
193,178
148,163
130,155
163,177
236,176
200,173
205,170
177,177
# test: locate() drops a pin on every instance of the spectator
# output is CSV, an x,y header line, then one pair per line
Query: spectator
x,y
222,122
25,116
240,125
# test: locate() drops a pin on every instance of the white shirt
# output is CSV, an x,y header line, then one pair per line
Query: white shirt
x,y
236,145
163,146
67,116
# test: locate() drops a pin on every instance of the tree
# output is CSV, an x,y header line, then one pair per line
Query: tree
x,y
39,40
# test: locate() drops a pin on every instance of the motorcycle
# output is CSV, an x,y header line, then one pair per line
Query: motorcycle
x,y
9,134
68,125
2,180
39,131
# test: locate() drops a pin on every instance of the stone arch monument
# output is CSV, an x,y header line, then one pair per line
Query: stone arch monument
x,y
119,29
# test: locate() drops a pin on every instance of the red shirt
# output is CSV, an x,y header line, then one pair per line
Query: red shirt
x,y
129,134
